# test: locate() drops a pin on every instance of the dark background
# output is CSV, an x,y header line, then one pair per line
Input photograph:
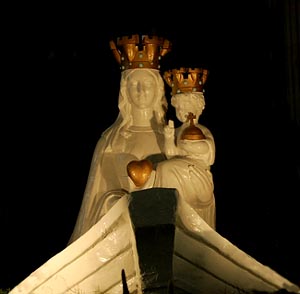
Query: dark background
x,y
252,108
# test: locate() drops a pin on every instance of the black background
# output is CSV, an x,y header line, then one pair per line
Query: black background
x,y
72,99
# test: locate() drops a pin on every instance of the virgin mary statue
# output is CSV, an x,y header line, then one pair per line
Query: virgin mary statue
x,y
136,134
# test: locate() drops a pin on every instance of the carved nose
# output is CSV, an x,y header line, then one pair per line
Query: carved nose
x,y
139,87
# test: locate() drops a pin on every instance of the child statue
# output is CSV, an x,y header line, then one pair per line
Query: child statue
x,y
190,148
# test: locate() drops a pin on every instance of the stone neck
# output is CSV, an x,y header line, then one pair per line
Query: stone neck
x,y
142,117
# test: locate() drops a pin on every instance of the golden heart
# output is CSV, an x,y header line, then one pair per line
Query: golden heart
x,y
139,171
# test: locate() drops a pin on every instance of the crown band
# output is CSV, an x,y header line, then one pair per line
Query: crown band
x,y
137,51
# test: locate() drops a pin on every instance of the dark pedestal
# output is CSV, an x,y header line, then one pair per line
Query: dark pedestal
x,y
153,213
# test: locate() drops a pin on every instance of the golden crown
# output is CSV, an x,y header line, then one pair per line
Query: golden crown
x,y
186,79
139,51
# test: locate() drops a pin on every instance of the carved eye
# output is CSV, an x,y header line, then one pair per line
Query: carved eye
x,y
133,84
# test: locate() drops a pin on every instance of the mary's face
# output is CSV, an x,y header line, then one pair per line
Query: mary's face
x,y
141,87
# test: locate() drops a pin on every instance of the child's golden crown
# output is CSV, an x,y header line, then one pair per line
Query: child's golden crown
x,y
139,51
186,79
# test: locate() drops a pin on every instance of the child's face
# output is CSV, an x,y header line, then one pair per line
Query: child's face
x,y
184,104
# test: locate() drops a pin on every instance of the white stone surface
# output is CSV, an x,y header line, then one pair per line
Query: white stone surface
x,y
93,263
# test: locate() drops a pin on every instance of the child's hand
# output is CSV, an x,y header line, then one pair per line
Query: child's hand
x,y
169,130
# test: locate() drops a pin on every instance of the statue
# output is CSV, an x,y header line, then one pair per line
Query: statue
x,y
136,152
190,148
